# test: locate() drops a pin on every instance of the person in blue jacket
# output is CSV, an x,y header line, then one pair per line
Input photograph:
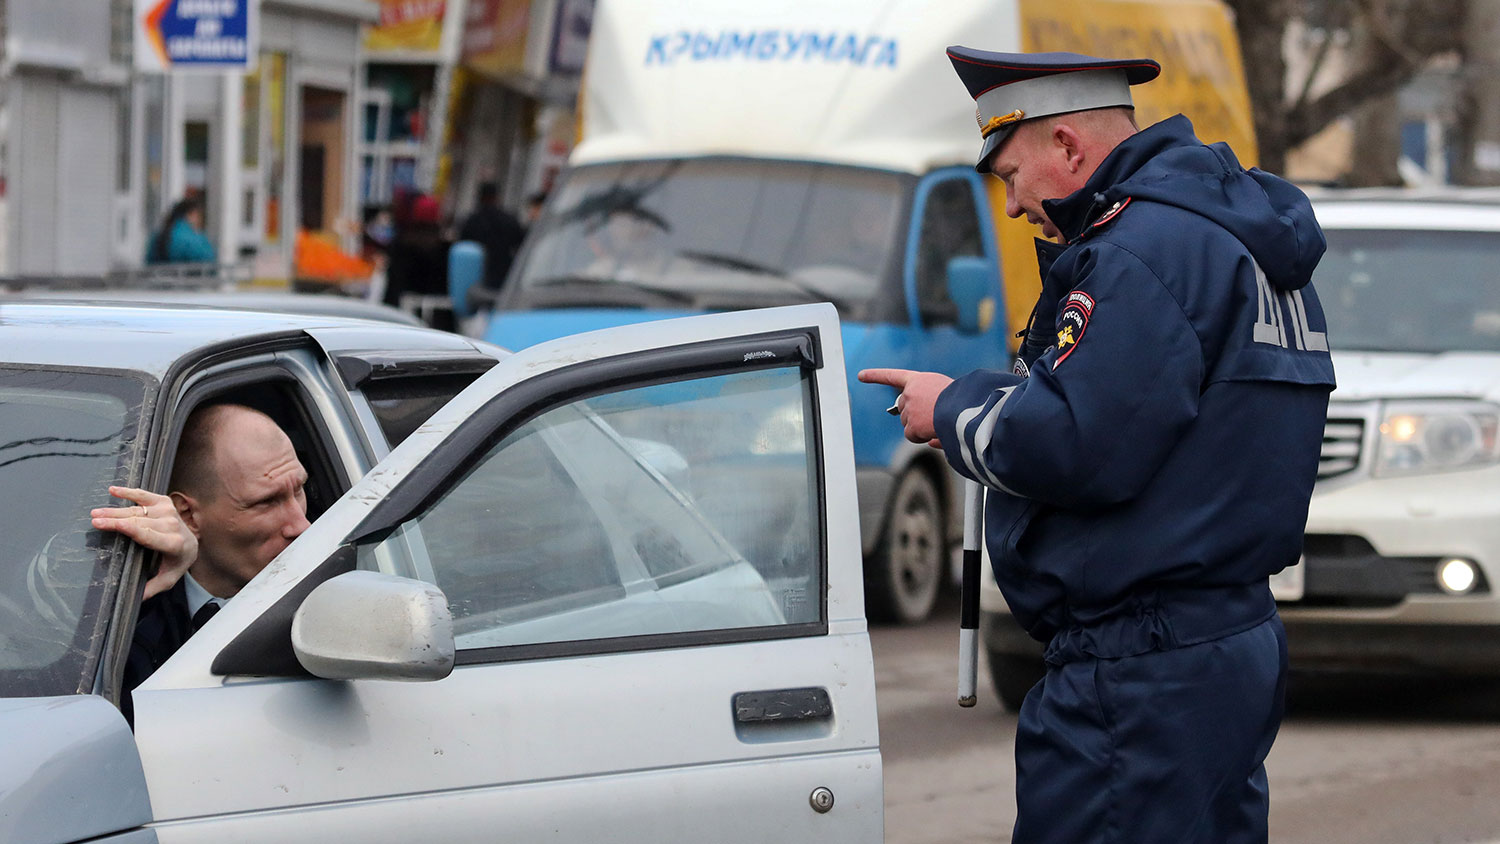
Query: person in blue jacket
x,y
180,239
1149,461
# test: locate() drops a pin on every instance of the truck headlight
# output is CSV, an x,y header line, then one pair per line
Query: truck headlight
x,y
1436,436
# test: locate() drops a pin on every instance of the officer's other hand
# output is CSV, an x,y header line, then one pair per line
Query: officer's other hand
x,y
916,402
152,521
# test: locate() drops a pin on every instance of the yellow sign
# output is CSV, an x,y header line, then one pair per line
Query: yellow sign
x,y
495,36
407,25
1202,75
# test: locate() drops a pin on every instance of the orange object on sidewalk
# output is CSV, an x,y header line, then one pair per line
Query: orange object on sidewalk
x,y
317,258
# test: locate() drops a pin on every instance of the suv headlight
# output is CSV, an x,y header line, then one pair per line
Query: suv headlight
x,y
1436,436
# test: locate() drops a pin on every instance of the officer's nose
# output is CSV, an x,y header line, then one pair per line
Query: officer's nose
x,y
1012,208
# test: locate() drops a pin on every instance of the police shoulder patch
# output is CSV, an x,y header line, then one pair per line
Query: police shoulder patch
x,y
1072,321
1110,214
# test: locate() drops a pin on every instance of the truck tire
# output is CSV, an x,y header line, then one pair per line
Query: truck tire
x,y
1013,676
904,575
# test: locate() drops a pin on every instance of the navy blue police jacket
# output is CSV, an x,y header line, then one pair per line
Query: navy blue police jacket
x,y
1155,465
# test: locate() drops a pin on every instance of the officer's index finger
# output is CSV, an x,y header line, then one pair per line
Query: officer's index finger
x,y
893,377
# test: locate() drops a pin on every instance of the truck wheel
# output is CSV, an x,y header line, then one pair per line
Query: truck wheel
x,y
1013,676
904,575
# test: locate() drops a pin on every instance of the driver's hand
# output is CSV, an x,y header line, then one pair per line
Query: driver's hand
x,y
153,522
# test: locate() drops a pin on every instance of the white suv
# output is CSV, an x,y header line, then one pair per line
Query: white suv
x,y
1402,556
1403,536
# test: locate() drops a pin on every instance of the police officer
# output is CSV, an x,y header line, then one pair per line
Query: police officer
x,y
1149,462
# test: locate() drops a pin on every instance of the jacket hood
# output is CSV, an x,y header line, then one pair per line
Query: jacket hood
x,y
1166,163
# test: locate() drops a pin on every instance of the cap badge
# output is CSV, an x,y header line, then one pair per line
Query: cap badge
x,y
989,127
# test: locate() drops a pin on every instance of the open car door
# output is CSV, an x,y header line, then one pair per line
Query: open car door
x,y
647,548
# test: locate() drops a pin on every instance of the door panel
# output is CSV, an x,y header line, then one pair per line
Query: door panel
x,y
715,804
603,717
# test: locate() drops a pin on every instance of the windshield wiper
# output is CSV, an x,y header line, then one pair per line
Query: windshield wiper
x,y
737,262
636,293
734,262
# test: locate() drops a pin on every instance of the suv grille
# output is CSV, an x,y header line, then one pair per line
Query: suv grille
x,y
1341,443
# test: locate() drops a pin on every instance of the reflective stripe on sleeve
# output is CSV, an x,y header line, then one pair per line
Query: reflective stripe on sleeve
x,y
972,447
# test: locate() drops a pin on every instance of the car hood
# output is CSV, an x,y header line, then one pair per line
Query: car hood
x,y
1373,375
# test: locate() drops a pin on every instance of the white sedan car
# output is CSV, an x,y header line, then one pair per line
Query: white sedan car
x,y
619,573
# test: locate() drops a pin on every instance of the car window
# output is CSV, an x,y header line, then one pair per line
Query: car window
x,y
674,508
950,228
401,405
65,436
1410,291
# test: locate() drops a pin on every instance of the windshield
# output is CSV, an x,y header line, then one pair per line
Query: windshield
x,y
65,437
714,234
1411,291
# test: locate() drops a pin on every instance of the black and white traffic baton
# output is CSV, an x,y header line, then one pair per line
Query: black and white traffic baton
x,y
968,601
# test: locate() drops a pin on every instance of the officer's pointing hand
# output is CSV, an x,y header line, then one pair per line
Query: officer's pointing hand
x,y
918,398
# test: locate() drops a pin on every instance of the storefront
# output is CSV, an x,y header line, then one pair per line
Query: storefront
x,y
461,92
410,58
272,150
523,60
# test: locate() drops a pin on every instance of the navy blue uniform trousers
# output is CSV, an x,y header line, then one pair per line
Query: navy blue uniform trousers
x,y
1166,746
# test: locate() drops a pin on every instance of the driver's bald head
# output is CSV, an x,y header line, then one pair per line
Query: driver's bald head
x,y
209,428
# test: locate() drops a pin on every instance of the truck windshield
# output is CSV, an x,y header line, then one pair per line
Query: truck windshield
x,y
1411,291
714,234
65,437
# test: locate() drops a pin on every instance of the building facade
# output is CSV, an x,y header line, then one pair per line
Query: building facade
x,y
345,104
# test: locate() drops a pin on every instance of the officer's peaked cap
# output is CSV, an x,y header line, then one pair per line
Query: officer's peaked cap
x,y
1009,88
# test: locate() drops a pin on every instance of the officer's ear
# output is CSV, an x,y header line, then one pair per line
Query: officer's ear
x,y
1067,141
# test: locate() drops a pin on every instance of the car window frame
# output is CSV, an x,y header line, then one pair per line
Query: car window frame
x,y
192,381
510,409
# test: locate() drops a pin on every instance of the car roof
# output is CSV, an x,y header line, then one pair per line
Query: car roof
x,y
150,338
1447,209
244,300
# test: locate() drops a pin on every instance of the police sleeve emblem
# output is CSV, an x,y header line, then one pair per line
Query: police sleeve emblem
x,y
1072,322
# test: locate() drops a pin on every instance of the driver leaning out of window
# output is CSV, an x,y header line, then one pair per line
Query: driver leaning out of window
x,y
236,501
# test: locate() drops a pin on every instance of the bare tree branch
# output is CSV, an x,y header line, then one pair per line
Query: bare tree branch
x,y
1315,67
1370,82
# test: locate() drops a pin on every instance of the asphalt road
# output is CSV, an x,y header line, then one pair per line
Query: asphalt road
x,y
1358,761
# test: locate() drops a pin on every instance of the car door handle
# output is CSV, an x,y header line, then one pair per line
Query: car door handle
x,y
782,705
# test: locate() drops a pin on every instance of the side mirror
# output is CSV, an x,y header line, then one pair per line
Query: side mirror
x,y
465,270
971,281
364,625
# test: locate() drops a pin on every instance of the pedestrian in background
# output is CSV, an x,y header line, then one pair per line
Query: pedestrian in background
x,y
180,238
1149,461
497,230
416,270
